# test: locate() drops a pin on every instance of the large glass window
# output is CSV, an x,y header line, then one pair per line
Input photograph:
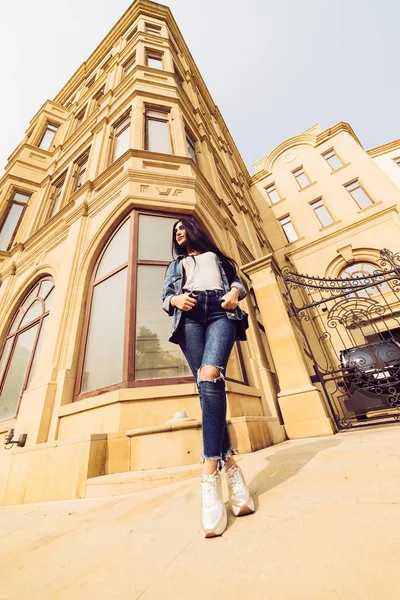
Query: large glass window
x,y
12,218
21,350
157,131
288,228
126,332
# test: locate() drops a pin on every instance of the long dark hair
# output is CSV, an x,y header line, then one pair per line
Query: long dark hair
x,y
198,240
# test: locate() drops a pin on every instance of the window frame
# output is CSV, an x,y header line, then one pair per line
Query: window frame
x,y
155,55
9,204
47,128
272,185
191,141
127,116
81,160
59,184
17,333
301,168
154,29
79,118
292,224
129,65
357,181
323,205
162,110
128,370
330,151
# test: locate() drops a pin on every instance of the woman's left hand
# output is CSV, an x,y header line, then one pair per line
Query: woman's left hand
x,y
231,299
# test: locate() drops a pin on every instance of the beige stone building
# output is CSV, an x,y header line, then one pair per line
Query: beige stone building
x,y
87,204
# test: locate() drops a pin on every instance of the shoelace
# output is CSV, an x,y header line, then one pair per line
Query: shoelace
x,y
236,480
208,492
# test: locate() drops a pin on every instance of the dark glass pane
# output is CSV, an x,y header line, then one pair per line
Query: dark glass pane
x,y
156,357
9,226
105,344
117,251
38,350
155,238
12,389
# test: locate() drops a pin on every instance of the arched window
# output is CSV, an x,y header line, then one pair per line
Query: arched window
x,y
125,337
21,349
360,270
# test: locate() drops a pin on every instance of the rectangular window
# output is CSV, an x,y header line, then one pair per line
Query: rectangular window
x,y
132,34
301,177
397,160
154,60
129,65
56,196
98,96
322,213
121,137
79,118
153,29
333,160
157,131
91,81
191,146
288,228
273,193
12,218
48,136
81,168
358,194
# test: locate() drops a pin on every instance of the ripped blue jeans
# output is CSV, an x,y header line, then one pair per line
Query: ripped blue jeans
x,y
206,337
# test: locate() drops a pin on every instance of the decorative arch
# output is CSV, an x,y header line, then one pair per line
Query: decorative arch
x,y
348,256
21,346
304,139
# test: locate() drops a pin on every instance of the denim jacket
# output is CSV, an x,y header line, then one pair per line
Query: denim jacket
x,y
173,286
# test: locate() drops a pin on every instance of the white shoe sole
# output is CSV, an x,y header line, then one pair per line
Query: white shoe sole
x,y
244,509
219,530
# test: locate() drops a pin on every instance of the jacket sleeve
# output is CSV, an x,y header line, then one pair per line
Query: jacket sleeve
x,y
168,291
238,284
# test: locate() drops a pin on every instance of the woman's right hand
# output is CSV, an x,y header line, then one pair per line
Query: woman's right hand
x,y
184,302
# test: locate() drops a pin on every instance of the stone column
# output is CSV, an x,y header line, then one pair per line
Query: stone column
x,y
301,404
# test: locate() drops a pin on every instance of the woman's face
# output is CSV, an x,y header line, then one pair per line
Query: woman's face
x,y
180,234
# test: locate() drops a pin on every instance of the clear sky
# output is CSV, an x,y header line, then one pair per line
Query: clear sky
x,y
273,67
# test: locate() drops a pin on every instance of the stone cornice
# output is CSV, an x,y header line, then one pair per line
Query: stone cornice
x,y
340,127
384,149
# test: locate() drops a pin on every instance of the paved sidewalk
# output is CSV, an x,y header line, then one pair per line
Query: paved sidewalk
x,y
327,526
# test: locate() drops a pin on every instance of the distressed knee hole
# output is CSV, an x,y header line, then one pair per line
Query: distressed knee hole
x,y
209,372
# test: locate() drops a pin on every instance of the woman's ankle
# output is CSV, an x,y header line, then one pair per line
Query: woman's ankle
x,y
230,462
209,466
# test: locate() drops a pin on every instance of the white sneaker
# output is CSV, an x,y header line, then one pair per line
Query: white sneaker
x,y
213,512
241,501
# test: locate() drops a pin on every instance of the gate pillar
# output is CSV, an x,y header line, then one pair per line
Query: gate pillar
x,y
301,404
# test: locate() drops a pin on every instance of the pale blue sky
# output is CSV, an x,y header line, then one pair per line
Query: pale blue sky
x,y
274,70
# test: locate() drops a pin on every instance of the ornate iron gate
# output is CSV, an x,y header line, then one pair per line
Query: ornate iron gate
x,y
350,329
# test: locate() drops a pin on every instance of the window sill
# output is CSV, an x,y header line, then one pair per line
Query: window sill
x,y
307,186
330,225
295,241
369,207
272,204
340,168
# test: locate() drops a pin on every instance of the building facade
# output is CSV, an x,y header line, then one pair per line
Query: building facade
x,y
87,203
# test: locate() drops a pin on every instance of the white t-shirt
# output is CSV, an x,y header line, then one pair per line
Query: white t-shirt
x,y
202,273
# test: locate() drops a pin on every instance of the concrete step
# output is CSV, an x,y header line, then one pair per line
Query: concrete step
x,y
118,484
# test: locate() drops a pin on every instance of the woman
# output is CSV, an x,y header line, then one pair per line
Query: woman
x,y
202,291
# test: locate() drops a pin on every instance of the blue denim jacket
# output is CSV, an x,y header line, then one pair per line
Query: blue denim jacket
x,y
173,286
